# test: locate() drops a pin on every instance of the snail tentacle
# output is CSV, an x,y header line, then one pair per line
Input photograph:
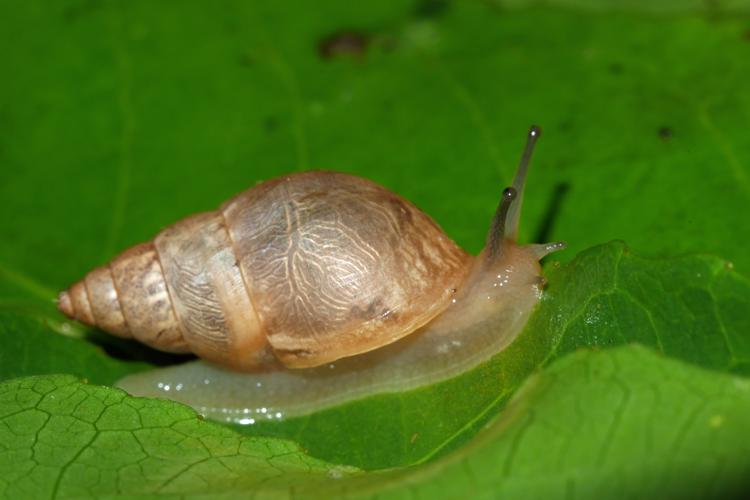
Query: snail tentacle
x,y
541,250
498,227
519,183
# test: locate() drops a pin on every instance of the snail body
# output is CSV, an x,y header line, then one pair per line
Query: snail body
x,y
324,286
468,333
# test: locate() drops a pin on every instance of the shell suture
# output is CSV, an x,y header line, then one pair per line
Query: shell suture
x,y
309,267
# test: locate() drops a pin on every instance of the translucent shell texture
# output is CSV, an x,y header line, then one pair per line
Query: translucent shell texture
x,y
304,269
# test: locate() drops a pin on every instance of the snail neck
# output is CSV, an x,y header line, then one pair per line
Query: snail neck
x,y
508,285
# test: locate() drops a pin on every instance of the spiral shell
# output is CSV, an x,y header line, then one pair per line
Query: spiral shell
x,y
304,269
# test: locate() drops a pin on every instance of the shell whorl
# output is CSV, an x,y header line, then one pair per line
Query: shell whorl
x,y
209,294
128,298
181,293
310,268
338,265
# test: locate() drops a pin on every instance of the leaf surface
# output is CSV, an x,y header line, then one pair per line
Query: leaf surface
x,y
569,431
119,118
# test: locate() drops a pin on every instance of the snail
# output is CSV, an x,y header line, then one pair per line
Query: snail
x,y
313,289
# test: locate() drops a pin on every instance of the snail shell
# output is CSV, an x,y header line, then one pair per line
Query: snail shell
x,y
305,270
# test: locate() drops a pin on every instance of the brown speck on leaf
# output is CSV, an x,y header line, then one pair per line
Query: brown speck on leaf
x,y
343,43
565,125
665,133
414,437
616,68
746,35
270,123
431,8
81,9
245,60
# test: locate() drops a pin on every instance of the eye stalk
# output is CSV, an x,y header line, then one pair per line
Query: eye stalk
x,y
497,232
504,226
519,183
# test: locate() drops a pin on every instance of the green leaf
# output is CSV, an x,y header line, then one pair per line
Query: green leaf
x,y
119,118
621,423
30,347
61,438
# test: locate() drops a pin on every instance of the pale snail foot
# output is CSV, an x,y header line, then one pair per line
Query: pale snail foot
x,y
484,319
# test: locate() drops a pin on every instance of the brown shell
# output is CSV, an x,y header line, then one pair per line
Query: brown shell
x,y
306,269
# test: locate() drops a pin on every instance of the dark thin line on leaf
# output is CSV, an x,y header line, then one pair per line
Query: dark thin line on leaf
x,y
566,326
637,303
720,320
179,473
615,319
38,431
616,419
616,273
83,402
515,443
25,475
66,466
687,424
464,428
22,410
137,441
